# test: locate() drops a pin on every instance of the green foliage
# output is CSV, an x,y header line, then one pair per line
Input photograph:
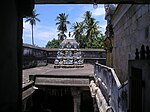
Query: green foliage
x,y
53,43
32,20
62,25
87,33
98,42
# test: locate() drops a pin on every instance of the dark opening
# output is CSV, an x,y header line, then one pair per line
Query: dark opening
x,y
52,99
135,90
86,102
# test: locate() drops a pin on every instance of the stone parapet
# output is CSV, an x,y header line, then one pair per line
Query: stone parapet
x,y
113,93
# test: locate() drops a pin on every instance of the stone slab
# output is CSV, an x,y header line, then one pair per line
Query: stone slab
x,y
87,70
61,81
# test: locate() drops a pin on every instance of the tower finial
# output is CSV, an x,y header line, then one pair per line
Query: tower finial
x,y
69,34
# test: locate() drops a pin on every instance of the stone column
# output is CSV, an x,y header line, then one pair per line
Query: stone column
x,y
10,83
76,98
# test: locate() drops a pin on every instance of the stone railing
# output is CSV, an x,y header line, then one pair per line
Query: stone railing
x,y
123,97
110,86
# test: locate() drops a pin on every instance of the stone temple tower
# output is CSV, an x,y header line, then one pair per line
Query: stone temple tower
x,y
69,54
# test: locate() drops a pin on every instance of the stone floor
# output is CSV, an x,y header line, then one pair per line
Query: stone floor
x,y
87,70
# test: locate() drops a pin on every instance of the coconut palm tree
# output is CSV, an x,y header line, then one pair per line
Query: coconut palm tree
x,y
78,29
92,28
87,17
62,25
32,20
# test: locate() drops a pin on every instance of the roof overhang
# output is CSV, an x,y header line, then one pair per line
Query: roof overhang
x,y
87,1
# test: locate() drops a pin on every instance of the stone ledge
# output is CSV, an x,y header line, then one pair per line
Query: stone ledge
x,y
68,66
62,81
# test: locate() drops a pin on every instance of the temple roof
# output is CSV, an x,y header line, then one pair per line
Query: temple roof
x,y
71,41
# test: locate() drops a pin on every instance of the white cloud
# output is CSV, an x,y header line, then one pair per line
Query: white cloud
x,y
95,12
41,33
26,27
45,32
26,31
79,19
103,28
99,11
70,9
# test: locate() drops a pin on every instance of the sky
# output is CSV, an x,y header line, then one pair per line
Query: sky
x,y
46,29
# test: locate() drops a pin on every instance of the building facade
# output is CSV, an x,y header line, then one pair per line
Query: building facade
x,y
131,29
127,46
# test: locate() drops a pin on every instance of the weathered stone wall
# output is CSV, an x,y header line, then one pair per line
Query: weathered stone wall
x,y
123,99
89,55
35,56
131,26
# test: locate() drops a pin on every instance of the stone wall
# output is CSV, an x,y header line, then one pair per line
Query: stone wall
x,y
35,56
131,26
89,55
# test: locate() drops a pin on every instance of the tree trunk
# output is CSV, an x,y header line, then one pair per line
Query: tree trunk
x,y
32,36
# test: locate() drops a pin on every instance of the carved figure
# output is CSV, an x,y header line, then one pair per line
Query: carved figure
x,y
142,52
109,10
137,54
93,88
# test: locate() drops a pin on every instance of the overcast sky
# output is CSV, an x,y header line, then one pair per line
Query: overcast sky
x,y
46,29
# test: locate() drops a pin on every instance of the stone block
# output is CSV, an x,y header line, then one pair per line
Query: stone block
x,y
129,23
134,26
129,31
148,8
131,11
149,32
146,19
144,9
133,18
141,36
138,14
125,26
140,23
137,7
128,41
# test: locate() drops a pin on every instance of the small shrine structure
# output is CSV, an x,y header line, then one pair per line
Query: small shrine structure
x,y
69,54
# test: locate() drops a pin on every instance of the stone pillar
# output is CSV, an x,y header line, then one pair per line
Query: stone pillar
x,y
11,26
24,104
10,92
76,98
